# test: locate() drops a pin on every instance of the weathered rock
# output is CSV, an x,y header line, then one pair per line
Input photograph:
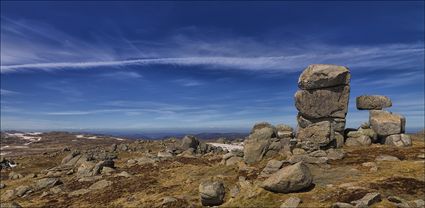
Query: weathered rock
x,y
107,171
386,158
233,160
2,185
10,205
335,154
291,202
385,123
22,190
341,205
289,179
271,167
323,103
373,102
79,192
368,199
164,154
319,133
100,185
257,144
362,140
339,140
307,159
211,193
70,156
399,140
284,131
14,176
46,182
86,168
124,174
337,124
318,76
189,142
318,153
262,125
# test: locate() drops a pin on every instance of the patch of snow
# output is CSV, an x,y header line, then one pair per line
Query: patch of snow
x,y
228,147
92,137
119,139
79,136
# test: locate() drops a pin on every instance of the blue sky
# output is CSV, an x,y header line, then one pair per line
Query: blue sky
x,y
206,66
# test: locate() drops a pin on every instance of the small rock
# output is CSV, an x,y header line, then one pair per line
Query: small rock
x,y
271,167
368,199
168,200
46,182
298,151
10,205
289,179
22,190
211,193
335,154
386,158
233,160
100,185
291,202
14,176
107,170
163,154
421,156
318,153
234,191
369,164
124,174
420,203
2,185
79,192
342,205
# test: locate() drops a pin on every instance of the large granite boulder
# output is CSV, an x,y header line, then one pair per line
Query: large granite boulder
x,y
211,193
257,144
323,103
289,179
338,124
399,140
373,102
385,123
189,142
318,76
319,133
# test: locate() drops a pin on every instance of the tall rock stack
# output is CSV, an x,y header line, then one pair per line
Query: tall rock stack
x,y
322,102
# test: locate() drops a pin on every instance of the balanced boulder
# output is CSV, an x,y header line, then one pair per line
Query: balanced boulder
x,y
289,179
323,75
373,102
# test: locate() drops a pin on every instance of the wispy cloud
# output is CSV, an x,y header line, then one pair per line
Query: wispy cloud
x,y
189,82
7,92
28,45
121,75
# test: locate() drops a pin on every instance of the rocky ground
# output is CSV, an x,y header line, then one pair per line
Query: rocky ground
x,y
67,170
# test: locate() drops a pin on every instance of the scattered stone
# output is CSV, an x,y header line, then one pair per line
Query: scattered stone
x,y
318,153
124,174
421,156
399,140
233,161
211,193
258,142
271,167
46,182
298,151
164,154
189,142
234,191
341,205
291,202
79,192
307,159
70,156
289,179
168,200
107,171
2,185
10,205
386,158
100,185
368,199
14,176
22,190
373,102
335,154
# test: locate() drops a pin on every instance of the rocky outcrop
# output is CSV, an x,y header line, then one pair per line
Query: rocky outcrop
x,y
258,142
322,102
189,142
399,140
385,123
373,102
289,179
211,193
